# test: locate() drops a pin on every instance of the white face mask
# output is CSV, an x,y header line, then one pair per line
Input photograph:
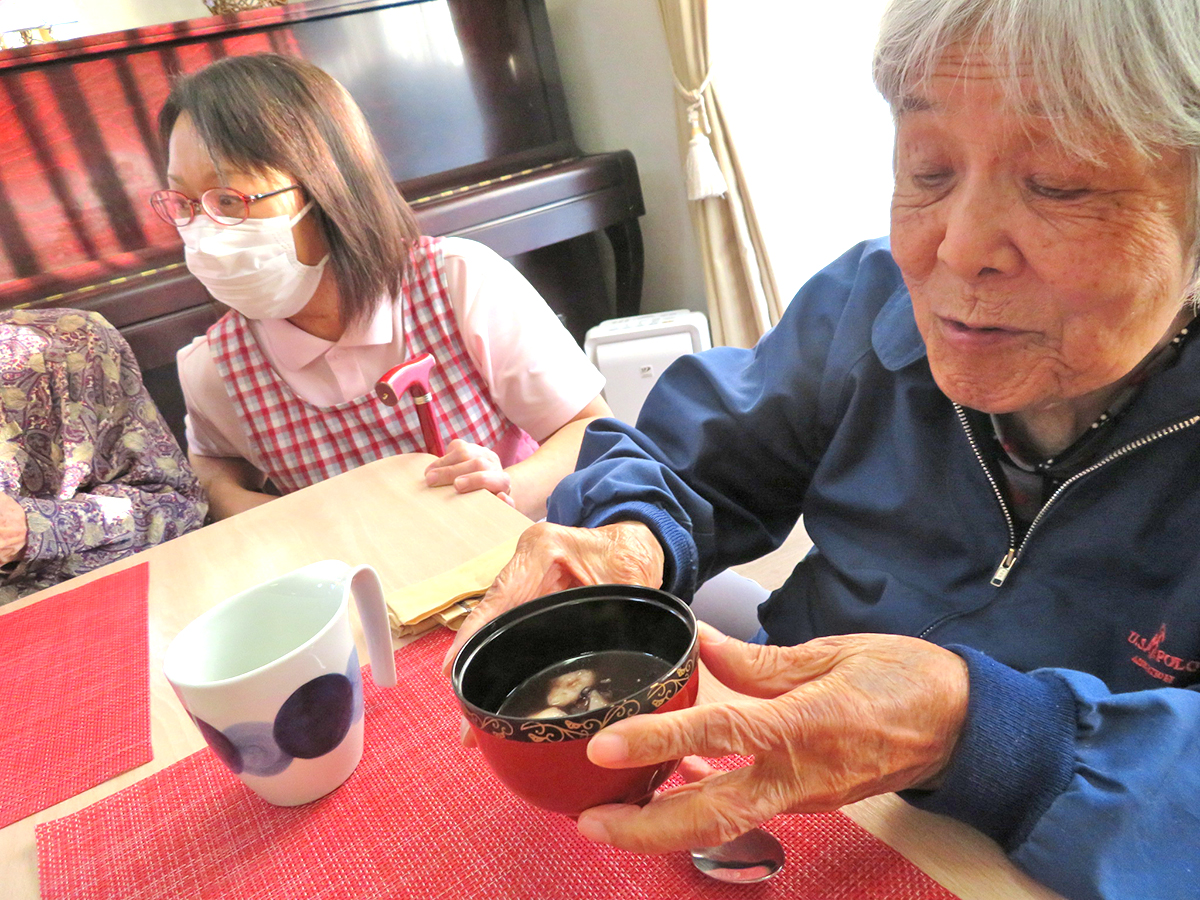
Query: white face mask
x,y
252,266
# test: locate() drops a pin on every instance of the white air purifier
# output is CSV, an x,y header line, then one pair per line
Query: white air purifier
x,y
631,353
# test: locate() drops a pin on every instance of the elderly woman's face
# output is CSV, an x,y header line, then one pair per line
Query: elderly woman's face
x,y
1036,276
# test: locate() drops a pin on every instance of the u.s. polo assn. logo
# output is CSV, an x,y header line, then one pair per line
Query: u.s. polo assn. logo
x,y
1157,662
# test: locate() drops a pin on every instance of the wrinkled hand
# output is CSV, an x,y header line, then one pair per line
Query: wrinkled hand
x,y
827,722
470,467
555,557
13,529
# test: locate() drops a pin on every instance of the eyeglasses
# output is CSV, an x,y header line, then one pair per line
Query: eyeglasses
x,y
225,206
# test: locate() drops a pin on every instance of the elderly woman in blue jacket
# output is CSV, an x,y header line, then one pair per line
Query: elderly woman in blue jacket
x,y
991,425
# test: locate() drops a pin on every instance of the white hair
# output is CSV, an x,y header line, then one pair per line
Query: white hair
x,y
1130,67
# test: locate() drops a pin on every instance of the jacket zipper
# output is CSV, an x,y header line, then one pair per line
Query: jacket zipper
x,y
1014,550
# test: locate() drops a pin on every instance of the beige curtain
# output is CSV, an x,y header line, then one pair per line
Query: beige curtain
x,y
743,300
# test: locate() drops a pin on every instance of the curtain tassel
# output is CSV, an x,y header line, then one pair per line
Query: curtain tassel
x,y
704,176
703,173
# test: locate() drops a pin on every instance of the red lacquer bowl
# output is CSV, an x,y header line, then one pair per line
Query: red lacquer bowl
x,y
545,761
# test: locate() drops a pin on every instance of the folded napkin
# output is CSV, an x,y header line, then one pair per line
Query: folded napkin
x,y
421,817
447,598
74,692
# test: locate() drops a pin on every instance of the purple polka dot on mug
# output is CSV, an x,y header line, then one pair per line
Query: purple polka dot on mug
x,y
225,749
255,742
316,717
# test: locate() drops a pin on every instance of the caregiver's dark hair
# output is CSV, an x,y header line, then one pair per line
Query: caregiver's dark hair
x,y
265,112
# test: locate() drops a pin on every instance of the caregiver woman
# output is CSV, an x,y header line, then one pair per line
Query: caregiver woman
x,y
289,215
992,428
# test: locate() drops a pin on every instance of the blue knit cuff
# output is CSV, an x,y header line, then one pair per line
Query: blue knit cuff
x,y
681,561
1016,753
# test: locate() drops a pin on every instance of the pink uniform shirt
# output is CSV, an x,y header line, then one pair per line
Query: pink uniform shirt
x,y
537,375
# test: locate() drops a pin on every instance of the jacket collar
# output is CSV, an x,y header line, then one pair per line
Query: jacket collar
x,y
894,336
1169,395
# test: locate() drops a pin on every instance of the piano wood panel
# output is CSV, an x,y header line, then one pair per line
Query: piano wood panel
x,y
79,156
445,84
465,99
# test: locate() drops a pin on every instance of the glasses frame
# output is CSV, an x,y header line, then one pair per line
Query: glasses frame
x,y
247,199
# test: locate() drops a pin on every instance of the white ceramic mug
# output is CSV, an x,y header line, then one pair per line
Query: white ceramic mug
x,y
271,677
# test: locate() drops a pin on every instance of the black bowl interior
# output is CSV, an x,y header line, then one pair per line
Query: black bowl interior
x,y
531,637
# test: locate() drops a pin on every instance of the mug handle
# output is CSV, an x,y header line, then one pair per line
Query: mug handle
x,y
372,613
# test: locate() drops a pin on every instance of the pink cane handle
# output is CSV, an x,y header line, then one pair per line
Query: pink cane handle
x,y
412,377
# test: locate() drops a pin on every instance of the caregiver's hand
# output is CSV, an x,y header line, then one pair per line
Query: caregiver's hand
x,y
555,557
828,722
470,467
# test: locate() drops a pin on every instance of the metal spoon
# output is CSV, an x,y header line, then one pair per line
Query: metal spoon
x,y
753,857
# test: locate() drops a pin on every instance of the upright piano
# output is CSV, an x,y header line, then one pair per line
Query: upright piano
x,y
464,97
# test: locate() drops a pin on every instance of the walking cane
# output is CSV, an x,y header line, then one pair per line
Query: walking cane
x,y
413,377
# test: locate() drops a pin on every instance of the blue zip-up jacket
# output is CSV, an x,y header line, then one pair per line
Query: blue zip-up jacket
x,y
1081,751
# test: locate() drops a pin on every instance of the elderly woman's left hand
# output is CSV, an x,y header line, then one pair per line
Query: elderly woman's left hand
x,y
470,467
827,722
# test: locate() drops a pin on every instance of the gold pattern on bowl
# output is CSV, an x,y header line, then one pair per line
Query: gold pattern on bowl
x,y
586,724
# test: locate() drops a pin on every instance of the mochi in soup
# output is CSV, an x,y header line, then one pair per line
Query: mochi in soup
x,y
582,684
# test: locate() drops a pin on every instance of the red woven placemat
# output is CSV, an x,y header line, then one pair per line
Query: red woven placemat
x,y
420,818
74,692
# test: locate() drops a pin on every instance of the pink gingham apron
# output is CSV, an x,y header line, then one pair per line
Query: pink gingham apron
x,y
299,443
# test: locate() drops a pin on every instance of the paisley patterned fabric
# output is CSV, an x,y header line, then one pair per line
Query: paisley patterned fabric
x,y
83,450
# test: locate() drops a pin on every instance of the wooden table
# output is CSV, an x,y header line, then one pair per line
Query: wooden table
x,y
383,514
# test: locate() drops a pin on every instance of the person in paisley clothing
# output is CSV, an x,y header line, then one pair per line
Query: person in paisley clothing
x,y
90,471
289,216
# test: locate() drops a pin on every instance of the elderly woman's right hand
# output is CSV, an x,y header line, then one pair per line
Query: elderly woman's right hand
x,y
827,722
555,557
